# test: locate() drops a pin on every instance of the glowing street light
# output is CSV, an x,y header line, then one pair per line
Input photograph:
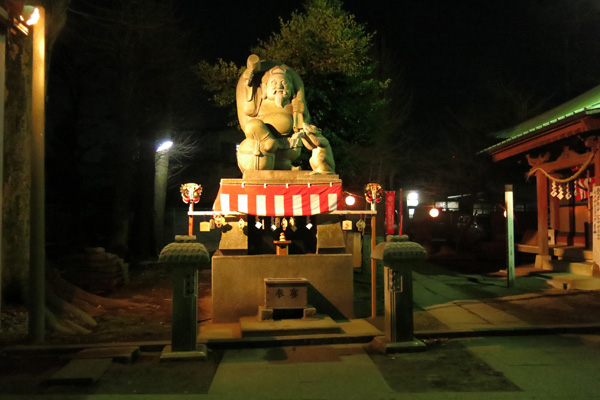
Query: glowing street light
x,y
164,146
161,170
412,199
434,213
30,15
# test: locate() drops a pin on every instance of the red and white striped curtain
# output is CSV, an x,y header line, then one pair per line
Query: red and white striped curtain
x,y
279,200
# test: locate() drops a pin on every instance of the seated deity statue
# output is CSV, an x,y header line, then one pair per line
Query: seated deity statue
x,y
271,111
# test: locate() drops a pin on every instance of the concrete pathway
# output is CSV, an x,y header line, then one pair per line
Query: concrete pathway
x,y
536,367
458,310
551,366
299,372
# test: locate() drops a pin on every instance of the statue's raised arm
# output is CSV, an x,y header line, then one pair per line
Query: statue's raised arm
x,y
271,110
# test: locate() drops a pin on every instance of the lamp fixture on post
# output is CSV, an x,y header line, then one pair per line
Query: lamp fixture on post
x,y
161,172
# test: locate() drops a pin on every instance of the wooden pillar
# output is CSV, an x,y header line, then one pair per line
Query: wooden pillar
x,y
542,212
572,228
373,265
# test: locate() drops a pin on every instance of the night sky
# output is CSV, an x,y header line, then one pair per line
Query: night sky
x,y
449,50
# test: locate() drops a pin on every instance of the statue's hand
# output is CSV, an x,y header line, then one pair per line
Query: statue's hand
x,y
248,74
297,106
294,140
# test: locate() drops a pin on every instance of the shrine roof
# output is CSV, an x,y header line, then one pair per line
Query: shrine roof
x,y
586,104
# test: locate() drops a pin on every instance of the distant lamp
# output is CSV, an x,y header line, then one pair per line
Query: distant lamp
x,y
258,224
164,146
412,199
434,213
30,15
350,200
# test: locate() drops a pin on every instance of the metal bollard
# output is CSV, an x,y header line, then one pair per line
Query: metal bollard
x,y
185,257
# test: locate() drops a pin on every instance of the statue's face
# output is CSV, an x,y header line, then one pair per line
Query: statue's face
x,y
278,89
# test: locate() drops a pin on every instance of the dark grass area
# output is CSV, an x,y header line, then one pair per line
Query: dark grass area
x,y
147,375
446,366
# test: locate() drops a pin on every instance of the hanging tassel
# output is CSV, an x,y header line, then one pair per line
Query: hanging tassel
x,y
273,226
560,194
309,225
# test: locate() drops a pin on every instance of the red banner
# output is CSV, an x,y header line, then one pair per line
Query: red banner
x,y
390,202
400,210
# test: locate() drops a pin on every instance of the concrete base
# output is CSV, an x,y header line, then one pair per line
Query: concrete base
x,y
230,335
238,283
194,355
382,345
252,327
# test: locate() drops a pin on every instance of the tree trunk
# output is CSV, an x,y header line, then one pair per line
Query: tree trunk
x,y
17,169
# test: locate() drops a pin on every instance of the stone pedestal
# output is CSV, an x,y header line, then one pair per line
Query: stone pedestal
x,y
238,283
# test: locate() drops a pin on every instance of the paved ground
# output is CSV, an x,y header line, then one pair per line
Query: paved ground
x,y
484,341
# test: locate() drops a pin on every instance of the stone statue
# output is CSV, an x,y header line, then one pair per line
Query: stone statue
x,y
321,161
272,112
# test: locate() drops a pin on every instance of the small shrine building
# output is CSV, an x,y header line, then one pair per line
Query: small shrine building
x,y
561,147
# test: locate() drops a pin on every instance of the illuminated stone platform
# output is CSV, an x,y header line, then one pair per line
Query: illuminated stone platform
x,y
238,283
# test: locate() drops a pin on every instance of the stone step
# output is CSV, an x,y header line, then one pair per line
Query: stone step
x,y
579,268
120,354
566,280
80,372
253,327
